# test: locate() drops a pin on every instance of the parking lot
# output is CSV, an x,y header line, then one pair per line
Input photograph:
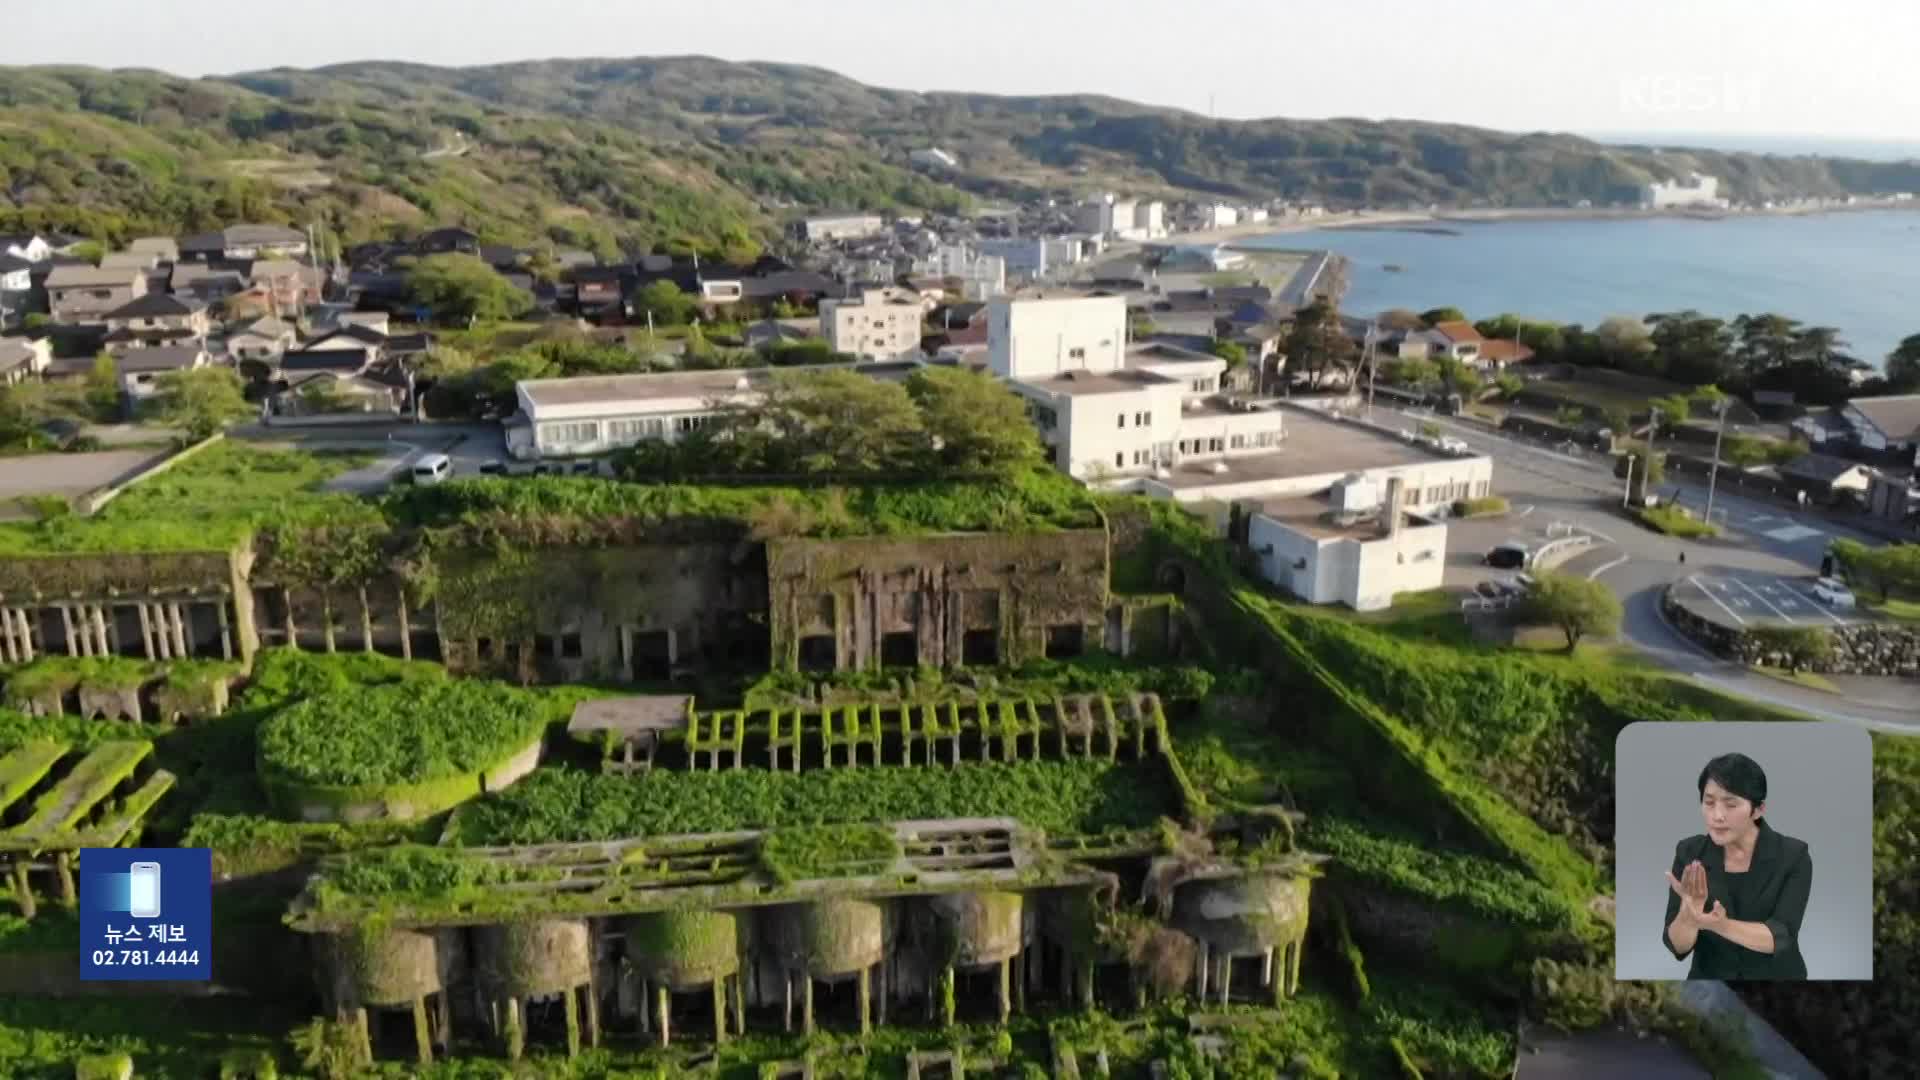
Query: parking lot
x,y
1744,600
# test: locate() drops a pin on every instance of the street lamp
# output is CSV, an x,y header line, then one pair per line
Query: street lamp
x,y
1713,470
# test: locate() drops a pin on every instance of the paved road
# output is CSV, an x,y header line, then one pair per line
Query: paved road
x,y
397,443
1551,490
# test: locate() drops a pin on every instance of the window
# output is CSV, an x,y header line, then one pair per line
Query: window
x,y
689,423
1120,461
1140,457
1202,386
632,431
1238,442
1046,418
1213,445
1076,354
1122,418
1142,419
561,434
1264,438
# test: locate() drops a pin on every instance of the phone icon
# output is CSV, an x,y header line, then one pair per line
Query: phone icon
x,y
144,891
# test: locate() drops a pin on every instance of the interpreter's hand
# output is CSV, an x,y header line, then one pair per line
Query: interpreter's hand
x,y
1691,887
1714,920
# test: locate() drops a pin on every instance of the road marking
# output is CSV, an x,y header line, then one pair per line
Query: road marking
x,y
1603,569
1723,604
1788,534
1764,600
1524,511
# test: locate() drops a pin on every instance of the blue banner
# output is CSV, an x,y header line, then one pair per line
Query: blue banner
x,y
146,914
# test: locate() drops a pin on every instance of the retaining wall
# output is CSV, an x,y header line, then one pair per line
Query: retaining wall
x,y
1858,649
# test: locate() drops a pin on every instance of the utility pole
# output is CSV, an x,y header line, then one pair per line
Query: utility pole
x,y
1713,471
1626,496
1373,363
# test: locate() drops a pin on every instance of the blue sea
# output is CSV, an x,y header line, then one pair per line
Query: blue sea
x,y
1857,271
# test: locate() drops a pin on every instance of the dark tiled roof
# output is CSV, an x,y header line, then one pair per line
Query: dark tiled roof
x,y
1896,415
165,358
157,305
1818,467
336,360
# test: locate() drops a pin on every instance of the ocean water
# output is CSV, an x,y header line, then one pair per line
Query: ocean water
x,y
1857,271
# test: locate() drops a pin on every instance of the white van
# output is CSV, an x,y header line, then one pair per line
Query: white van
x,y
432,469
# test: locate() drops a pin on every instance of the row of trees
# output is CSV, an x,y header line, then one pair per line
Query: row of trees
x,y
1894,569
842,422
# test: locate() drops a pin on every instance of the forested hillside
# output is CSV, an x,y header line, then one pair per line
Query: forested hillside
x,y
692,152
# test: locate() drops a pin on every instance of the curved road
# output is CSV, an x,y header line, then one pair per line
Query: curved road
x,y
1579,490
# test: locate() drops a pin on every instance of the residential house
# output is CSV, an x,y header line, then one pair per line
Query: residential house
x,y
597,289
843,226
140,369
376,392
286,286
769,332
84,294
202,281
262,341
347,349
1497,353
24,358
152,320
1888,422
1826,479
504,257
245,243
33,247
16,289
1462,341
128,260
883,324
794,286
163,248
448,241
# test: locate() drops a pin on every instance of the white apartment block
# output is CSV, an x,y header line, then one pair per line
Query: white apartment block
x,y
1025,256
883,324
1352,544
1126,219
982,277
841,227
1696,190
1219,216
1039,337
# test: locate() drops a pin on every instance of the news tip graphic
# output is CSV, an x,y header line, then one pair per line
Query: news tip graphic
x,y
146,914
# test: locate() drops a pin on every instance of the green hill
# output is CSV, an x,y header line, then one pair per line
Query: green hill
x,y
693,152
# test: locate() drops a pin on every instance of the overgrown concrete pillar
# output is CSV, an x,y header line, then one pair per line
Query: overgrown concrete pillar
x,y
422,1032
806,1004
866,1001
406,632
719,1010
946,996
572,1004
226,629
1005,1000
516,1032
178,613
663,1018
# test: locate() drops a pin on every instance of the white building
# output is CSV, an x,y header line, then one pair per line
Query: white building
x,y
1150,220
1125,219
1022,255
981,277
883,324
1696,190
1219,216
1064,250
1030,338
1255,215
1354,544
841,227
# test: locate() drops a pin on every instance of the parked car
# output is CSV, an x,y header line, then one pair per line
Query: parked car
x,y
1512,555
432,469
1833,593
585,468
1456,447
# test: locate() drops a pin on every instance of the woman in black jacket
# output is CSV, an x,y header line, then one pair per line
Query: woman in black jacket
x,y
1740,889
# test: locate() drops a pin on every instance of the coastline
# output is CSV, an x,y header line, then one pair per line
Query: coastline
x,y
1439,219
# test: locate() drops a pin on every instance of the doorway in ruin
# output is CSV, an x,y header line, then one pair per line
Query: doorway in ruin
x,y
980,648
900,649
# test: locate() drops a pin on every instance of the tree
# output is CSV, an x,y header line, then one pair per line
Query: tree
x,y
1511,386
1401,319
1459,377
1744,451
668,305
1570,416
1316,344
201,401
463,289
841,421
1623,341
1670,412
1619,421
1232,352
102,394
1443,314
1800,646
91,250
1690,347
1415,374
1903,365
1765,342
972,420
1577,606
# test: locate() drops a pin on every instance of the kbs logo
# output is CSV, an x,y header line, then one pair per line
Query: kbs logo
x,y
1668,93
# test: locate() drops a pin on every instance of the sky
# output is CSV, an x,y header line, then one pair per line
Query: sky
x,y
1839,69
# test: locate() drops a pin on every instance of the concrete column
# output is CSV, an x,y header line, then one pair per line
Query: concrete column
x,y
786,990
806,1004
326,615
1085,988
363,1036
886,991
1266,968
739,1005
101,648
946,997
226,629
66,623
516,1033
178,613
1205,966
8,651
112,627
23,891
28,632
286,604
366,622
663,1009
866,1001
146,632
63,869
720,1010
1226,976
446,1019
1005,999
572,1006
1020,981
422,1032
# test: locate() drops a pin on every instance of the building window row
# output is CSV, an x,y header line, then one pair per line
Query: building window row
x,y
583,432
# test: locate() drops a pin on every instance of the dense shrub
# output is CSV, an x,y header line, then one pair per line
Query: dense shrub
x,y
399,734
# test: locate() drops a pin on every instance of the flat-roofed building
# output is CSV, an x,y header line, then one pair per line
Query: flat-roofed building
x,y
883,324
1354,543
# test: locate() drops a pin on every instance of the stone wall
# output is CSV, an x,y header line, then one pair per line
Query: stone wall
x,y
156,606
1858,649
937,601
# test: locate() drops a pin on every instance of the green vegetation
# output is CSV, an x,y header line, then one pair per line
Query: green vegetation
x,y
1485,506
462,289
1577,606
1892,571
1675,522
200,402
801,853
1060,797
208,502
245,844
400,734
1798,646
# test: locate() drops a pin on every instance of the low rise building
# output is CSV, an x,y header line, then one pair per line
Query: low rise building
x,y
140,369
156,319
1888,422
1354,544
882,324
79,295
849,226
23,358
245,243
